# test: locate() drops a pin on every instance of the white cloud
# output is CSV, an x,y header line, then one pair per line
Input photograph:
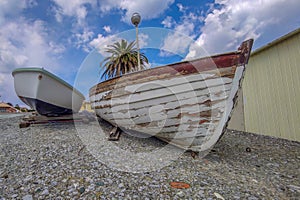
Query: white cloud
x,y
168,22
181,7
143,40
2,80
7,93
107,29
56,48
82,39
101,42
148,10
74,8
10,8
233,21
24,43
178,42
175,43
79,9
108,5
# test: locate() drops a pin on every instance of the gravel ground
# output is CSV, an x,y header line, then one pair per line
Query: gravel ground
x,y
67,161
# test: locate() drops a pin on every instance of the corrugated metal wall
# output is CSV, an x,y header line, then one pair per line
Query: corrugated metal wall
x,y
237,121
271,90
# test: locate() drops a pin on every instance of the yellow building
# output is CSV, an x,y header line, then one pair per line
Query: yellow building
x,y
269,102
86,106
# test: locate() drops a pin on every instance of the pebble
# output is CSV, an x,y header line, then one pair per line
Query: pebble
x,y
27,197
100,183
180,194
38,190
294,187
252,198
219,196
44,158
54,165
45,192
54,183
110,181
201,193
81,190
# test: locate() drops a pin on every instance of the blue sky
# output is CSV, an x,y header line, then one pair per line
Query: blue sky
x,y
66,37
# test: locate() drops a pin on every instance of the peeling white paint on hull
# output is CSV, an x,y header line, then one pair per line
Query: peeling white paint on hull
x,y
188,105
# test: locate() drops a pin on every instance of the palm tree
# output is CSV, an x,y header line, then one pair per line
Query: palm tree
x,y
123,59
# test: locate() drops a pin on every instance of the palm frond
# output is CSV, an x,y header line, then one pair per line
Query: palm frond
x,y
123,59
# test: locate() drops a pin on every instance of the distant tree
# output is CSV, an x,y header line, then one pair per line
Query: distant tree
x,y
24,110
123,59
17,106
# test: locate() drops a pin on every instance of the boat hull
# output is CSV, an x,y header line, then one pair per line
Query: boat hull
x,y
44,108
46,93
186,104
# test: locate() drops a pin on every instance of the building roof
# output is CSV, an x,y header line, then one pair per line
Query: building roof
x,y
4,105
277,41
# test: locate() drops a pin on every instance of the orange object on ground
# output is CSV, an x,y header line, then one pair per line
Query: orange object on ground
x,y
179,185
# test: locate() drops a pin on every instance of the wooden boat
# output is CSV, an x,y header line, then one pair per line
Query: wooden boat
x,y
45,92
187,104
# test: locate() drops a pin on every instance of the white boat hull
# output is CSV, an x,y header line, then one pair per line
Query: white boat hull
x,y
189,109
46,93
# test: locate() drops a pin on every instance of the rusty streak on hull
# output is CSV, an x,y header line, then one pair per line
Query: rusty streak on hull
x,y
187,104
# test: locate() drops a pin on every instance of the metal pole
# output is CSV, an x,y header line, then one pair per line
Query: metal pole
x,y
137,45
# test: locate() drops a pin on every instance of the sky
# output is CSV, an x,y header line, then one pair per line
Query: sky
x,y
68,38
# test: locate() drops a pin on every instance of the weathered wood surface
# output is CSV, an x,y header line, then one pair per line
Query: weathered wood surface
x,y
146,76
181,110
185,104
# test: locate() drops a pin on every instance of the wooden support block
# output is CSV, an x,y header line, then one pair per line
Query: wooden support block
x,y
24,124
114,135
113,131
38,119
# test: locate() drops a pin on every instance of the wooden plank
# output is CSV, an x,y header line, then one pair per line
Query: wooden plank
x,y
177,69
214,74
169,105
142,100
39,119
